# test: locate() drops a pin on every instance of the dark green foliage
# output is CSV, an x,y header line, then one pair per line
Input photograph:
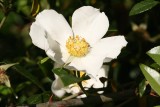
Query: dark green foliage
x,y
31,80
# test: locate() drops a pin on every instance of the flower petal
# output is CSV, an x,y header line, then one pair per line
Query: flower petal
x,y
109,47
102,73
90,23
38,34
77,64
74,88
106,48
57,87
91,64
55,25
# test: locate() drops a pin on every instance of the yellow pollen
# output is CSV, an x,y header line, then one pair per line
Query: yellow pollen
x,y
77,46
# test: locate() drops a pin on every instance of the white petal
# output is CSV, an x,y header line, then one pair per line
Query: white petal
x,y
109,47
90,23
55,25
38,34
74,89
90,63
82,96
60,52
106,48
77,64
102,73
57,87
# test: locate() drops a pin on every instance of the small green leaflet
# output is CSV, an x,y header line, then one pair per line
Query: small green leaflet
x,y
44,60
143,6
66,77
152,76
142,87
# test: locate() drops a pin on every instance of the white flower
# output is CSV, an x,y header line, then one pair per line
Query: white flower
x,y
59,90
82,46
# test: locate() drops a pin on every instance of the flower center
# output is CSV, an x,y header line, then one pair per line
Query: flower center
x,y
77,46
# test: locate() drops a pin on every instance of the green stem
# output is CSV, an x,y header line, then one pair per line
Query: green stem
x,y
2,21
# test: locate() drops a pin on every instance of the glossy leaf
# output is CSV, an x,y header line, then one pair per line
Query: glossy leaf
x,y
29,76
142,87
154,53
66,77
152,76
143,6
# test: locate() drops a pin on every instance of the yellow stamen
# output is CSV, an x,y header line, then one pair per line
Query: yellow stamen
x,y
77,46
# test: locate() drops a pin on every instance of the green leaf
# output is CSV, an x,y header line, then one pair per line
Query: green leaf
x,y
4,90
29,76
157,106
155,66
21,86
154,53
39,98
152,76
143,6
142,87
66,77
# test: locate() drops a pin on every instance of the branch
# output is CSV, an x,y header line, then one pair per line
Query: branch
x,y
94,99
77,102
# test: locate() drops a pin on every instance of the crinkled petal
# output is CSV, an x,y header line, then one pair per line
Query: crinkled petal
x,y
55,25
38,36
60,53
109,47
58,87
90,23
102,73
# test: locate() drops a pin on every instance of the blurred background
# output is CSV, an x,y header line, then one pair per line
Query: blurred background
x,y
31,80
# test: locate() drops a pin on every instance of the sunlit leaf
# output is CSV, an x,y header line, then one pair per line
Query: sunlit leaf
x,y
4,90
157,106
6,66
66,77
142,87
143,6
35,7
154,53
29,76
152,76
39,98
